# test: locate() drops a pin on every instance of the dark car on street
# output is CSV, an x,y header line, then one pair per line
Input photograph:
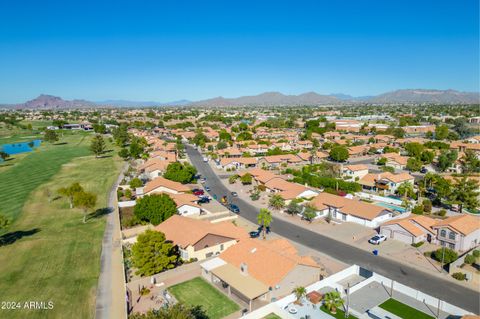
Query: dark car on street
x,y
234,208
254,234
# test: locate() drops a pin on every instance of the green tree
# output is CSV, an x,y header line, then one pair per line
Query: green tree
x,y
120,135
406,190
152,254
382,161
135,182
200,139
4,155
97,146
465,193
124,153
309,213
398,132
70,192
446,159
246,179
264,218
99,128
244,136
224,136
441,132
50,136
333,301
446,254
293,207
85,201
178,172
414,149
300,293
155,208
427,157
222,145
470,162
137,147
460,126
339,153
276,202
414,164
232,179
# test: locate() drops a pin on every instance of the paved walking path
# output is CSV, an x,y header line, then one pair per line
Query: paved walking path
x,y
111,293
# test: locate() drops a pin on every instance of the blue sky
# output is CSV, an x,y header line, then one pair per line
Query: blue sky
x,y
170,50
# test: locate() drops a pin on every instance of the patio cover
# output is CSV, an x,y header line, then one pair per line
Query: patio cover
x,y
213,263
245,284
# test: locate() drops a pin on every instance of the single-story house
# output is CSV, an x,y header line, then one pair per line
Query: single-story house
x,y
200,239
162,185
349,210
288,190
260,270
238,162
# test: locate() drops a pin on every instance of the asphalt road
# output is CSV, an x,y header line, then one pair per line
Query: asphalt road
x,y
432,285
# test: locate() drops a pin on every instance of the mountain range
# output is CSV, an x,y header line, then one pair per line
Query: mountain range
x,y
407,96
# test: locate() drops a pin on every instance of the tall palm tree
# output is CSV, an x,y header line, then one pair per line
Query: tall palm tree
x,y
264,218
299,292
333,300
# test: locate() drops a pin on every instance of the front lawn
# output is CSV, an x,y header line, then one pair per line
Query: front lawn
x,y
339,315
272,316
199,292
403,311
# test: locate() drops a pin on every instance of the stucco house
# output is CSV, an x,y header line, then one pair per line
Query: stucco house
x,y
260,270
200,239
410,230
355,171
461,232
162,185
349,210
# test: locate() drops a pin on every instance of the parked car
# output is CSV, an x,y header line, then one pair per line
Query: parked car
x,y
203,180
234,194
198,192
205,159
423,170
234,208
207,188
377,239
204,200
254,234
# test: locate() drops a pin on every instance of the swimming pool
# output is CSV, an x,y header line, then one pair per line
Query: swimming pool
x,y
391,206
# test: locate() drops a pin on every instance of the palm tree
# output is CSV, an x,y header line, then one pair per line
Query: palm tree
x,y
276,202
299,292
264,218
405,189
332,301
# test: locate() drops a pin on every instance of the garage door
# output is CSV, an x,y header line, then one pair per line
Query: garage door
x,y
406,238
385,231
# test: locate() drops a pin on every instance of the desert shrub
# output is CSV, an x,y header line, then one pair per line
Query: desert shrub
x,y
418,244
476,253
459,276
470,259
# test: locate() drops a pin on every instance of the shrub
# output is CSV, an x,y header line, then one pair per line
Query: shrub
x,y
119,193
449,255
459,276
262,188
416,245
255,196
470,259
418,210
476,253
442,212
144,291
427,205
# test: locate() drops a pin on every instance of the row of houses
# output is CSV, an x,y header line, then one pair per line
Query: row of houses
x,y
251,269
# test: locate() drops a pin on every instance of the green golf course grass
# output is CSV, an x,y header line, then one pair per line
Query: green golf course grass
x,y
48,254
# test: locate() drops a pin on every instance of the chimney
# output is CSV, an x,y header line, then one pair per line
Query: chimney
x,y
244,269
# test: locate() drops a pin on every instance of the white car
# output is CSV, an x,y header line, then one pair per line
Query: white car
x,y
377,239
205,159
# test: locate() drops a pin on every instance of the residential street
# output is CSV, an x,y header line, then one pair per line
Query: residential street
x,y
430,284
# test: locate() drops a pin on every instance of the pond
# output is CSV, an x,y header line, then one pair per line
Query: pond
x,y
17,148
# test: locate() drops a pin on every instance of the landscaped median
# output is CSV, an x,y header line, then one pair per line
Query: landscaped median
x,y
198,292
403,311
